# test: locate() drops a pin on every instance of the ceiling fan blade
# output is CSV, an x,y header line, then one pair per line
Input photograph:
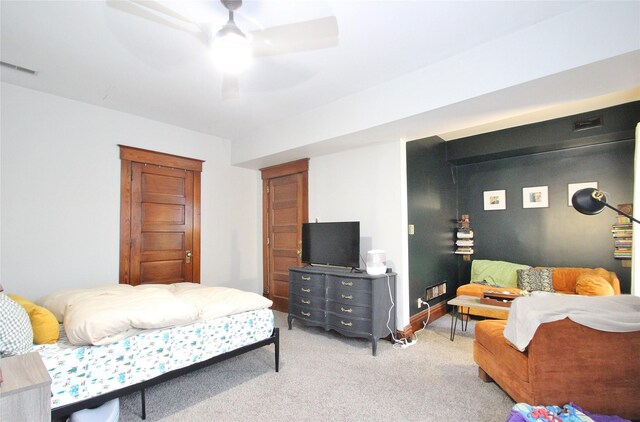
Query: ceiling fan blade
x,y
153,5
230,87
145,10
301,36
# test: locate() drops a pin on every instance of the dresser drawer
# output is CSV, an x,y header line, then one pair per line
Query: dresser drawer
x,y
335,282
347,324
306,313
307,288
345,310
306,301
306,278
350,296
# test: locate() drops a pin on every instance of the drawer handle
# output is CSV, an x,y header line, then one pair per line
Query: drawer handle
x,y
349,310
306,313
306,302
306,290
347,283
346,324
347,297
306,278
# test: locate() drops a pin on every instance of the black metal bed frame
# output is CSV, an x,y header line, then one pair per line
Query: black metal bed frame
x,y
62,413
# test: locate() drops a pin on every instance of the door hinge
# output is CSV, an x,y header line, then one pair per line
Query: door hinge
x,y
267,188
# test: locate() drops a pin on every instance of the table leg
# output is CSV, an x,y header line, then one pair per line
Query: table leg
x,y
463,323
454,323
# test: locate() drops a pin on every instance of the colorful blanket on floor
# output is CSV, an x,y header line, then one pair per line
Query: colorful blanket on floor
x,y
523,412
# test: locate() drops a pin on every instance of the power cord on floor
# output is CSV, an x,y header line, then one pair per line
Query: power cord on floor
x,y
398,343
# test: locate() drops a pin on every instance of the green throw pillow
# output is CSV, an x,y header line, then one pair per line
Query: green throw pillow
x,y
498,273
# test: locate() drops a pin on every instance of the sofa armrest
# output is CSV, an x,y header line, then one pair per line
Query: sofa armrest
x,y
615,282
564,353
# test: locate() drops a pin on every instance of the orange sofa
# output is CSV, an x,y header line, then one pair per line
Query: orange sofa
x,y
565,280
564,362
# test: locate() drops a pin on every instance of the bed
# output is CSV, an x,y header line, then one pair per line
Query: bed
x,y
119,339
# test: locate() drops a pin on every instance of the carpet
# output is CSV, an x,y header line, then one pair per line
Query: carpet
x,y
328,377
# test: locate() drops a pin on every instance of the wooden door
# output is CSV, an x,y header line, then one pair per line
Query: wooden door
x,y
284,210
160,219
161,225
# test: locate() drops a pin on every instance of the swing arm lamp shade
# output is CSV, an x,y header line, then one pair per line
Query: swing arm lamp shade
x,y
591,201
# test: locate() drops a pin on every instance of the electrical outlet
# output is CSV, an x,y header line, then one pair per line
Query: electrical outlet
x,y
419,302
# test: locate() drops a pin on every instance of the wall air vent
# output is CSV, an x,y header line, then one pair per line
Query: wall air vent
x,y
20,68
589,123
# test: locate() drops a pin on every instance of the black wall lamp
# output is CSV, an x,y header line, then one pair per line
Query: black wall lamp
x,y
592,201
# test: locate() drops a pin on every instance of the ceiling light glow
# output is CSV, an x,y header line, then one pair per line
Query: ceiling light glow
x,y
231,49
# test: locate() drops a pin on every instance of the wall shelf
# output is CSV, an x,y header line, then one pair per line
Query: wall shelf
x,y
464,238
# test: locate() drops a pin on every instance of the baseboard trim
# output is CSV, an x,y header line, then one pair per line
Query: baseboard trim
x,y
416,322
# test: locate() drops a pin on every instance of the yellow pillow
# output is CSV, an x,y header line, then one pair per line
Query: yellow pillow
x,y
593,285
45,325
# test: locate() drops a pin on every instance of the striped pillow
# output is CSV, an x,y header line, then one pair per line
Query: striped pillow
x,y
16,334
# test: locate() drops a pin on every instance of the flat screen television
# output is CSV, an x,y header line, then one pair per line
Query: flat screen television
x,y
336,243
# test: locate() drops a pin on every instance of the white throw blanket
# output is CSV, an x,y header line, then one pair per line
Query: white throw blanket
x,y
605,313
106,314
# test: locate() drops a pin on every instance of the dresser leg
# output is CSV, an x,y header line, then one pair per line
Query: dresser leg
x,y
289,320
374,346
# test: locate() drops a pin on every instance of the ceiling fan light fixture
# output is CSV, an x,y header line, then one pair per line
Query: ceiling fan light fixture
x,y
232,49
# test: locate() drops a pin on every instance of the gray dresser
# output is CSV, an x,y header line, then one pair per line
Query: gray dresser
x,y
353,304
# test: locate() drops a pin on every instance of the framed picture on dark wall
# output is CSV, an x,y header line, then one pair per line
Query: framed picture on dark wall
x,y
535,197
575,187
495,200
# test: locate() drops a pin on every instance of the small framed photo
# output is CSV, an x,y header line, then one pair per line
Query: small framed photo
x,y
575,187
495,200
535,197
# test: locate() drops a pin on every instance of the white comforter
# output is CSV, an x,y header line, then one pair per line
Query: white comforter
x,y
604,313
106,314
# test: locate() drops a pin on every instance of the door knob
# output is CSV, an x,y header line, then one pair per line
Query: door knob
x,y
187,257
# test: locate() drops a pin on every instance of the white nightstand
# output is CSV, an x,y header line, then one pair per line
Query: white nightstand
x,y
25,392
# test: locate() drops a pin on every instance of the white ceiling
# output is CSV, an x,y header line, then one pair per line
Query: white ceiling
x,y
95,52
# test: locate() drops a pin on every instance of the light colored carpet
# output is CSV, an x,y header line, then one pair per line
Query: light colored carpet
x,y
327,377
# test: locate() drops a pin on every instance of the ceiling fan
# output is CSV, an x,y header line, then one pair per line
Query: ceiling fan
x,y
233,49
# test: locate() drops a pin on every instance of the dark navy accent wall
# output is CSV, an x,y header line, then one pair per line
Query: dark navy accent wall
x,y
447,179
431,207
553,236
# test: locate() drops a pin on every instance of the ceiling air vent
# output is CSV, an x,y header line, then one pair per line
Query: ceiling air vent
x,y
589,123
20,68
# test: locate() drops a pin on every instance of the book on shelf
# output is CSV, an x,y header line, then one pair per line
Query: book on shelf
x,y
622,232
464,242
464,251
465,234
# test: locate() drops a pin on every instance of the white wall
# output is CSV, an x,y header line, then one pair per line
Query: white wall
x,y
60,192
548,48
367,185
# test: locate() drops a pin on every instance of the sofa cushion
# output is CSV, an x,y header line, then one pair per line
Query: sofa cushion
x,y
536,279
564,278
489,334
589,284
497,273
